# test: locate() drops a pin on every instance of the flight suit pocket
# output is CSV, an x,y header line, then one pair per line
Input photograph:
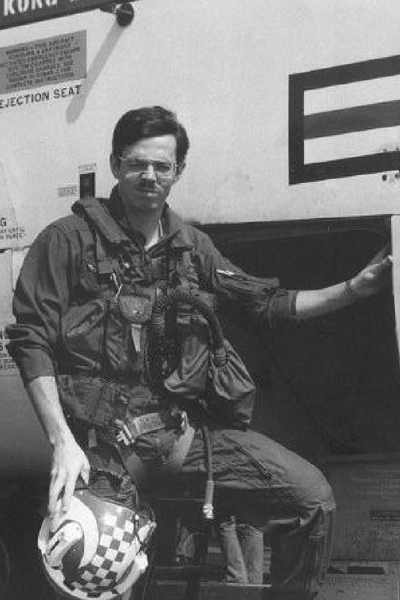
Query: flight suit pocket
x,y
82,334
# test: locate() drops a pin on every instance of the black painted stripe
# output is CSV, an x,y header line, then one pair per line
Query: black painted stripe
x,y
350,73
358,165
350,120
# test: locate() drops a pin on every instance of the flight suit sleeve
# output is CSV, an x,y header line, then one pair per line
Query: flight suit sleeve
x,y
260,301
40,298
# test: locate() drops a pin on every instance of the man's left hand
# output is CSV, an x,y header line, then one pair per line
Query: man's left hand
x,y
372,278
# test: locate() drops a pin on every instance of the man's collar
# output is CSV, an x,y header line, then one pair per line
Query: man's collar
x,y
172,225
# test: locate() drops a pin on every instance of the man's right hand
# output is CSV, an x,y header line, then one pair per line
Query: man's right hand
x,y
69,463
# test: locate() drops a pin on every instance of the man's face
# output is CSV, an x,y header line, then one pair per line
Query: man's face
x,y
146,171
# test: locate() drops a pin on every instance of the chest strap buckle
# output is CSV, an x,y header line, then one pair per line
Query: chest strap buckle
x,y
129,430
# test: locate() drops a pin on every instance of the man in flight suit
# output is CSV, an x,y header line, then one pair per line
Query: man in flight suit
x,y
83,356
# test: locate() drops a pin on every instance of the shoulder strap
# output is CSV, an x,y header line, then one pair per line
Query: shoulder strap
x,y
96,212
105,230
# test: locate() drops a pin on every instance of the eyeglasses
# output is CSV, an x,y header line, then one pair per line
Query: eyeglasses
x,y
163,169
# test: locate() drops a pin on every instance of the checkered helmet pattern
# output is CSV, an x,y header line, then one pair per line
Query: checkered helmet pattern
x,y
98,549
104,569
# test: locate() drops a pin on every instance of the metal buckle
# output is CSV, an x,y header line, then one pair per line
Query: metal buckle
x,y
148,423
184,421
123,435
129,430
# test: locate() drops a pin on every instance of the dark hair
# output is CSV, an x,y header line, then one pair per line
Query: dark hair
x,y
152,121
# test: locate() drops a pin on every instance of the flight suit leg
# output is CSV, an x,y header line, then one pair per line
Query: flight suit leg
x,y
273,489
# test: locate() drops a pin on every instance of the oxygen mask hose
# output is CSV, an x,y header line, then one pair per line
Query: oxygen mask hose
x,y
173,297
161,306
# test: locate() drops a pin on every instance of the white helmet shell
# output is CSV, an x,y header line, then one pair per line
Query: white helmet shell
x,y
97,549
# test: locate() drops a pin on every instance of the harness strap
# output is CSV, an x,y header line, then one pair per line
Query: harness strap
x,y
103,228
177,456
97,213
140,471
136,468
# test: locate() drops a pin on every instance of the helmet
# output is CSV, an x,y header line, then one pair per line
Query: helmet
x,y
97,548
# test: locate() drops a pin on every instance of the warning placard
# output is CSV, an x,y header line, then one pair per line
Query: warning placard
x,y
43,62
6,362
10,233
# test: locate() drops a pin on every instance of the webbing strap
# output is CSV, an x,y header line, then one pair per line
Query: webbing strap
x,y
104,229
97,213
181,447
141,471
136,468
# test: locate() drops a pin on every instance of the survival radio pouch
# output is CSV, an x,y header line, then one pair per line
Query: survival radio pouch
x,y
209,369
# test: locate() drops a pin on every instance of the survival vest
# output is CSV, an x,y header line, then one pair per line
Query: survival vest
x,y
110,334
106,331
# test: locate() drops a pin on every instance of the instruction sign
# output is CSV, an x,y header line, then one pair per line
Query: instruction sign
x,y
43,62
